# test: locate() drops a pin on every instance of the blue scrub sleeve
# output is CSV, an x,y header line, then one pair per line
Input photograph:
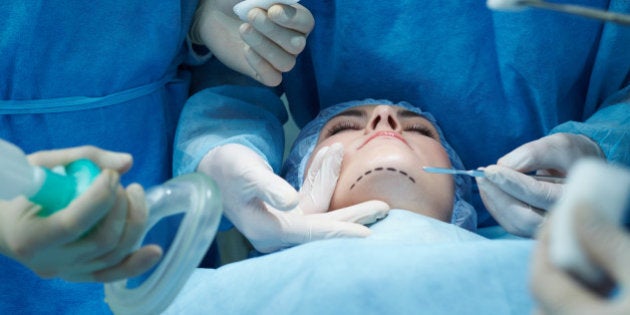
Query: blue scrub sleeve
x,y
609,127
250,116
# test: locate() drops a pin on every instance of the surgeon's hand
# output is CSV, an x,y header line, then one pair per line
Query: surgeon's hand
x,y
607,245
263,47
90,240
270,213
519,202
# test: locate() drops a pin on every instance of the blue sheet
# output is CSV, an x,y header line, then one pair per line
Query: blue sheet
x,y
410,265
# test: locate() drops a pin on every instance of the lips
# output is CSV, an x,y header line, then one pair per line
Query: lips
x,y
390,134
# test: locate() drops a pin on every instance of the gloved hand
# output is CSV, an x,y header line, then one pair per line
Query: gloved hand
x,y
519,202
321,179
270,213
90,240
557,292
263,47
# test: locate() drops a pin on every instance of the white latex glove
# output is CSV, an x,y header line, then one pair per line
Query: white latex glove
x,y
519,202
321,179
90,240
270,213
557,292
262,47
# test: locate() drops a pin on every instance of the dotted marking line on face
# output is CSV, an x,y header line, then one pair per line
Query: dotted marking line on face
x,y
378,169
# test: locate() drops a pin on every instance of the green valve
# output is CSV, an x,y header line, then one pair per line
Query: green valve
x,y
58,190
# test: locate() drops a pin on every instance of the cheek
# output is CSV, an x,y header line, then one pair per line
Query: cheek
x,y
434,154
443,157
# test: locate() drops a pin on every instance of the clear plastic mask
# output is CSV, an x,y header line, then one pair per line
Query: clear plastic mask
x,y
196,200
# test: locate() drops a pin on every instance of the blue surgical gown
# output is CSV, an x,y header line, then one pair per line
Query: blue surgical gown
x,y
109,74
493,80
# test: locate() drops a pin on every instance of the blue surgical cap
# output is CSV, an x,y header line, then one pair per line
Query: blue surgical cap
x,y
464,214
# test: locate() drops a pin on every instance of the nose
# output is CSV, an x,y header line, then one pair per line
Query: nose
x,y
384,118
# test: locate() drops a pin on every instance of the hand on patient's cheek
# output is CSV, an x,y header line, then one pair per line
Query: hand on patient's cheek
x,y
321,179
273,230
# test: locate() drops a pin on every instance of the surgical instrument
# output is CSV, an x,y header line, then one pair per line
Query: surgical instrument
x,y
480,173
565,8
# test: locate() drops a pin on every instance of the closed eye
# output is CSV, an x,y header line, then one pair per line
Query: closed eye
x,y
423,130
341,126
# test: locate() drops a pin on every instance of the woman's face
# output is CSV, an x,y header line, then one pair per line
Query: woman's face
x,y
385,148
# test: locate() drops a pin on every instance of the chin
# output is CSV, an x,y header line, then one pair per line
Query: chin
x,y
400,186
395,185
